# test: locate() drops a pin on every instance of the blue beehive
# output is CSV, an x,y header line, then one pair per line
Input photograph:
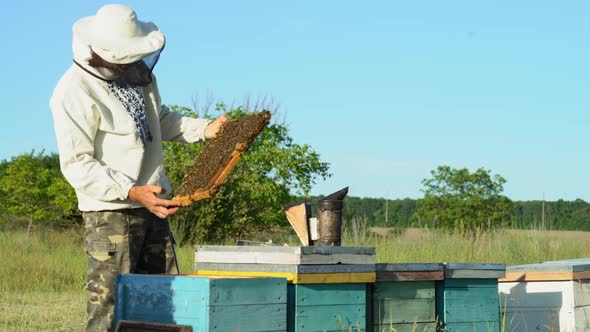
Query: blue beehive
x,y
204,303
327,307
467,299
327,288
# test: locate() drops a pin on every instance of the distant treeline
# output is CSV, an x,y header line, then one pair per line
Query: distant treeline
x,y
34,192
555,215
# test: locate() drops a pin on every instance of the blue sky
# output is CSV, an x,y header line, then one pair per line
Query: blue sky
x,y
385,91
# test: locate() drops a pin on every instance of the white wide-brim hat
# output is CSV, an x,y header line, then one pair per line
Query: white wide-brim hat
x,y
117,36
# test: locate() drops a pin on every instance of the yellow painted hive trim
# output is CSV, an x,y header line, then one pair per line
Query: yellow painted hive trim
x,y
294,278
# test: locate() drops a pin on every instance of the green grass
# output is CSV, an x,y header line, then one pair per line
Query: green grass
x,y
42,274
42,311
42,280
503,246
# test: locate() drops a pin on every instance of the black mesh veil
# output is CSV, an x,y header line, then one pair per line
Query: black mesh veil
x,y
140,72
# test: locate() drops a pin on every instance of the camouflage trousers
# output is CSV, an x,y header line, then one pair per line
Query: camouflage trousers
x,y
118,242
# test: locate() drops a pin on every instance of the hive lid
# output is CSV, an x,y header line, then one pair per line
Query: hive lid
x,y
291,268
409,271
408,267
284,255
569,269
570,265
474,270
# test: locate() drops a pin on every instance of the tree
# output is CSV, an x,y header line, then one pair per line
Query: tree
x,y
458,199
33,191
255,193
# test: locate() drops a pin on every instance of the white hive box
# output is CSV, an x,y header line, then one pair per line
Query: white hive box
x,y
548,296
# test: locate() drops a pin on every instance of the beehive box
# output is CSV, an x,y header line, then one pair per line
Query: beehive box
x,y
553,296
327,307
327,288
403,298
204,303
467,298
294,273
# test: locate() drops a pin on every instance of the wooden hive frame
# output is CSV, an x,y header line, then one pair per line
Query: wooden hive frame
x,y
214,164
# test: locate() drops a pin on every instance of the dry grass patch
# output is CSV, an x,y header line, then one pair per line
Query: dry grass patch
x,y
42,311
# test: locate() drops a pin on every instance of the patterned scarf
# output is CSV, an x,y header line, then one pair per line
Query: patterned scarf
x,y
133,100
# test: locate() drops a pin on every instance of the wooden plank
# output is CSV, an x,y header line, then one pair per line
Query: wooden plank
x,y
471,274
290,268
247,291
545,276
338,259
471,305
284,255
472,327
261,317
582,275
404,290
292,250
392,311
409,276
198,195
135,326
537,276
320,318
222,173
540,267
335,278
572,261
163,299
474,270
474,266
247,257
367,251
409,267
410,327
566,265
315,278
468,302
186,300
469,283
329,294
395,302
326,307
562,270
290,277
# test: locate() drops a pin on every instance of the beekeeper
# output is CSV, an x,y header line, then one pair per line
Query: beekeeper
x,y
110,125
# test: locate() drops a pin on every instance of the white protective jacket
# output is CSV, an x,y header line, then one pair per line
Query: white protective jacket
x,y
101,155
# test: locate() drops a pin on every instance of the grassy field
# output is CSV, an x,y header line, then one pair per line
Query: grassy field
x,y
42,281
42,274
